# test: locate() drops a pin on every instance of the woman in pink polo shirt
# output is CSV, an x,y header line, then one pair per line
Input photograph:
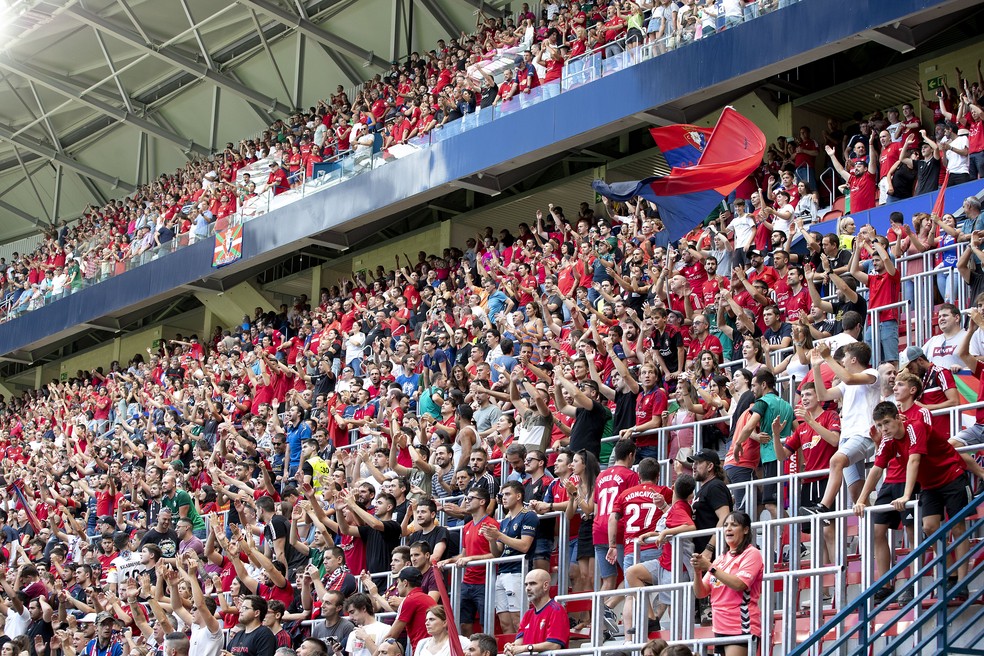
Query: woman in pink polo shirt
x,y
734,582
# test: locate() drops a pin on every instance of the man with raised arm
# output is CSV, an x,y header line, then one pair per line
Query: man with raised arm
x,y
858,392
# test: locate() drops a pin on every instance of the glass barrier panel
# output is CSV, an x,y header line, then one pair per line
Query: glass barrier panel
x,y
577,72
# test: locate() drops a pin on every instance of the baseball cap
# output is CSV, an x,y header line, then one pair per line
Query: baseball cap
x,y
705,455
107,519
103,617
752,251
910,354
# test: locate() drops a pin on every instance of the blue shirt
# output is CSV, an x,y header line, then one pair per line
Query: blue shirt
x,y
295,436
496,303
91,649
507,361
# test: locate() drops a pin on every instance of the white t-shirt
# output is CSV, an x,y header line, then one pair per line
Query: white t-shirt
x,y
423,647
357,647
976,344
204,642
837,341
956,163
857,404
744,227
16,624
942,350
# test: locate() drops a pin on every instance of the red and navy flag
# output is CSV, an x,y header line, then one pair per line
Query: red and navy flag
x,y
17,489
688,194
681,144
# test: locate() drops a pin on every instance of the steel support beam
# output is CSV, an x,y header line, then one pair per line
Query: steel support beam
x,y
7,134
30,181
56,197
349,71
486,8
30,72
299,71
178,61
310,30
21,214
269,52
395,37
440,16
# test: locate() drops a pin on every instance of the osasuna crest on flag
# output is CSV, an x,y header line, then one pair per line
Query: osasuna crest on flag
x,y
228,246
682,144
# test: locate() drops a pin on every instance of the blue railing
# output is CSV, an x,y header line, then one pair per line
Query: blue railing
x,y
919,629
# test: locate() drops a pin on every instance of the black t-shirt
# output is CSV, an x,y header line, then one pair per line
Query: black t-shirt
x,y
712,495
462,354
840,307
279,527
903,181
39,628
324,384
168,542
927,175
437,535
625,409
258,642
380,545
586,432
738,341
668,346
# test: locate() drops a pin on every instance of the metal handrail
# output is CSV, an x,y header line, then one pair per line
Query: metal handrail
x,y
861,605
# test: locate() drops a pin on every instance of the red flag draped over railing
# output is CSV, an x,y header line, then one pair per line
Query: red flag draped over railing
x,y
453,643
938,210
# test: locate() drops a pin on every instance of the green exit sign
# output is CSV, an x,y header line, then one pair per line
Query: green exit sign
x,y
934,83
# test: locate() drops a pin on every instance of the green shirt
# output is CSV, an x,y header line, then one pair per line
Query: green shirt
x,y
182,498
426,403
768,408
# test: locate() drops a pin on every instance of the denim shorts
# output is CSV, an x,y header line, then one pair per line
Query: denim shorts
x,y
605,568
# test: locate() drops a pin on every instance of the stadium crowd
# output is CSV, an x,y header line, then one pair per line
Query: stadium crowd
x,y
502,61
337,459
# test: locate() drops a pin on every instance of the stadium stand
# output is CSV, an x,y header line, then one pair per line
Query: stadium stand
x,y
572,437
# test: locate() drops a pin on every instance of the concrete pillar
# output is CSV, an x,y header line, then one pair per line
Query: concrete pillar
x,y
315,295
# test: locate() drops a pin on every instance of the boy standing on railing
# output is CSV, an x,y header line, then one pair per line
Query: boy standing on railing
x,y
858,392
934,465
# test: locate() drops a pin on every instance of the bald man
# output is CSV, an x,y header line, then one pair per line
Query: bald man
x,y
545,626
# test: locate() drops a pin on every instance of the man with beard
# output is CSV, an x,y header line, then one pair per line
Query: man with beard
x,y
162,534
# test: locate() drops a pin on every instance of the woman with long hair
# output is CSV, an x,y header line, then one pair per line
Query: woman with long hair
x,y
752,355
580,501
460,380
797,363
733,582
705,369
687,399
